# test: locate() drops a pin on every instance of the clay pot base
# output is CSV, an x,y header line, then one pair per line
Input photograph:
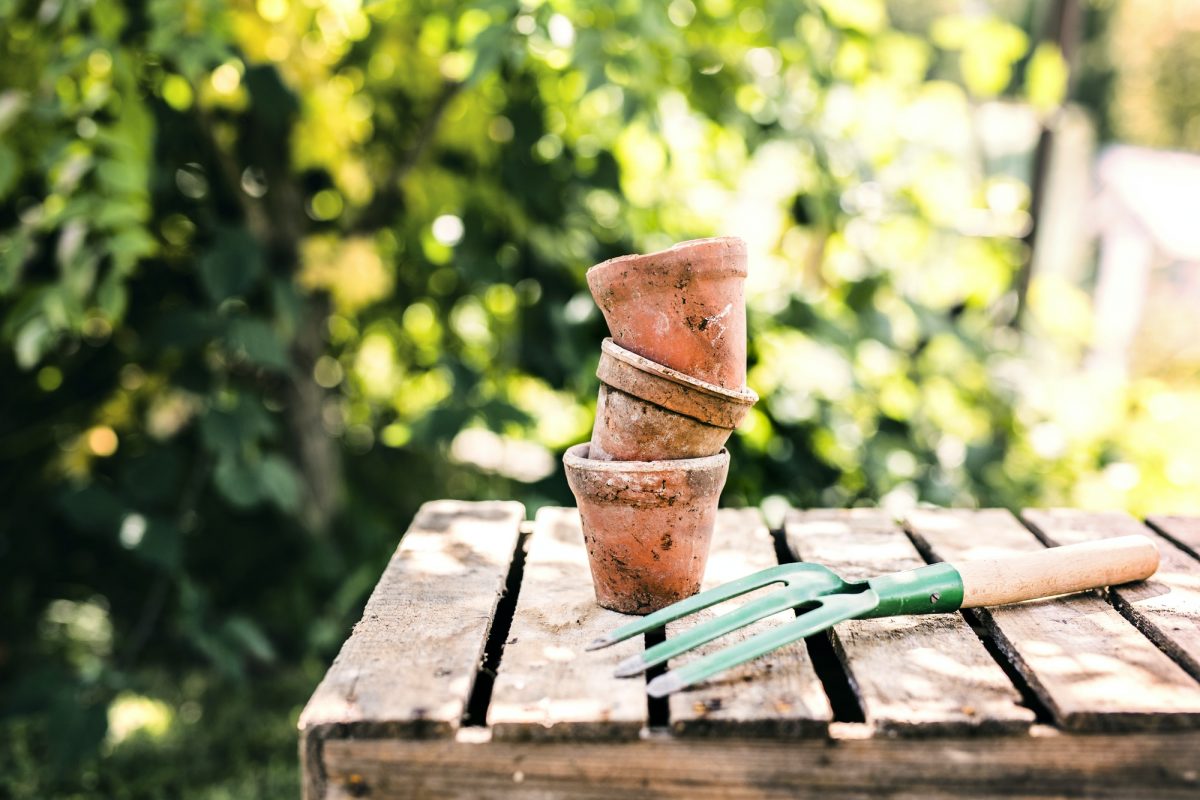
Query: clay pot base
x,y
683,307
647,525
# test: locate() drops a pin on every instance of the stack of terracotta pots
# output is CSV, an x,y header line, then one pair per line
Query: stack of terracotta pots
x,y
672,390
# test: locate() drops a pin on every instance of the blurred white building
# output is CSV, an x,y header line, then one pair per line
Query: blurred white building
x,y
1147,294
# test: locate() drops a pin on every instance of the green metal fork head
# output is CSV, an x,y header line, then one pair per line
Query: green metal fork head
x,y
822,596
799,584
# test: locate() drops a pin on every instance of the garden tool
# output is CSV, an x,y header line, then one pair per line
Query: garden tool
x,y
823,599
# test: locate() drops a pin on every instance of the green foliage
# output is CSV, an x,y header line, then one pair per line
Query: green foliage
x,y
273,274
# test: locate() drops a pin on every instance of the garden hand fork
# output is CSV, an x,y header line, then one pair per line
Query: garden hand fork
x,y
825,600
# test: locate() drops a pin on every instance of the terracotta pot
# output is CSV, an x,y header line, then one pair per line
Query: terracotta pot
x,y
646,524
684,308
628,428
648,412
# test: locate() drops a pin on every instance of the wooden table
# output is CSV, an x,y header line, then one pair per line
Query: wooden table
x,y
467,675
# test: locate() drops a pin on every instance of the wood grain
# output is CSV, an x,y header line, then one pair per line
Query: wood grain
x,y
547,686
776,695
1054,571
916,675
1167,607
1182,530
1046,764
1085,662
410,663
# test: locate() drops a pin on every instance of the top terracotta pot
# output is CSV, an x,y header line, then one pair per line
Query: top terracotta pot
x,y
684,307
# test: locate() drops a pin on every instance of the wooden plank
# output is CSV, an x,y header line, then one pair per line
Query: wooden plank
x,y
547,686
410,663
1182,530
1085,662
1167,607
921,675
776,695
1047,764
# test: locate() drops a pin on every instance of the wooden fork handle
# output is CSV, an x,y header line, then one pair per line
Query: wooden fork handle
x,y
1057,570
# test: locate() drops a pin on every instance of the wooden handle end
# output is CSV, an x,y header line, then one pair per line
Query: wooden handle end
x,y
1057,570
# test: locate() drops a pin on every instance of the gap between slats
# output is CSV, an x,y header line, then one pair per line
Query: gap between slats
x,y
1124,608
835,680
658,709
1029,697
475,714
1166,526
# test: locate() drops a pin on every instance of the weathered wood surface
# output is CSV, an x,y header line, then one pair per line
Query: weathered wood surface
x,y
548,687
1086,663
387,720
922,675
409,665
1044,765
411,662
1167,607
776,695
1183,530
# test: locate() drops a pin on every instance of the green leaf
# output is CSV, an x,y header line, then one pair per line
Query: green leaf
x,y
9,169
12,104
92,508
256,341
15,250
989,47
280,484
223,657
232,265
287,305
128,247
231,430
188,329
865,16
1046,81
161,544
489,48
246,634
237,482
246,482
120,178
154,479
111,296
76,728
33,341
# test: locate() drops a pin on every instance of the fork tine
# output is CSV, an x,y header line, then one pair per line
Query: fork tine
x,y
695,603
832,610
706,631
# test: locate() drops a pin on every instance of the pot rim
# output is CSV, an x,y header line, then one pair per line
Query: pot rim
x,y
736,247
575,458
743,397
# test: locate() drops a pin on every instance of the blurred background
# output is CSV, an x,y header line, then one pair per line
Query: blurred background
x,y
274,273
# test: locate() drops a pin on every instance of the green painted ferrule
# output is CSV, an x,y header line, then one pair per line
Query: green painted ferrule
x,y
929,589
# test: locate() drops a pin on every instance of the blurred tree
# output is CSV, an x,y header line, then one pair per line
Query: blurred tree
x,y
273,273
1155,56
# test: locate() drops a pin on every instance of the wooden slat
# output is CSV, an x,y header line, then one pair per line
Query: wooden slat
x,y
1047,764
920,675
427,621
1089,666
1183,530
410,663
547,686
1167,607
778,694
